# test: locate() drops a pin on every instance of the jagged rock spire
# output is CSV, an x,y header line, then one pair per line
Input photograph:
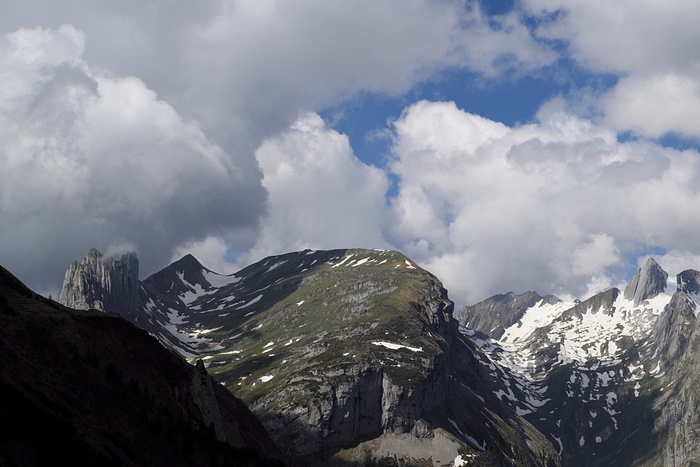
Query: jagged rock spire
x,y
102,283
647,282
205,397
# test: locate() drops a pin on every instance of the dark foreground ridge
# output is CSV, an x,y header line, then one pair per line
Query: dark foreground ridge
x,y
89,388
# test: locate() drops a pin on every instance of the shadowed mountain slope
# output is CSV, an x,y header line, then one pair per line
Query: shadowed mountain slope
x,y
89,388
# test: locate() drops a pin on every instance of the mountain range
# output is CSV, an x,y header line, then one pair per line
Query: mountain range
x,y
348,357
356,357
611,380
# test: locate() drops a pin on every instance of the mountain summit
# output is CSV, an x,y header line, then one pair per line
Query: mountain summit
x,y
649,281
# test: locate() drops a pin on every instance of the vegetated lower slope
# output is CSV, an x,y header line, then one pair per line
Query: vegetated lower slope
x,y
611,380
349,357
89,388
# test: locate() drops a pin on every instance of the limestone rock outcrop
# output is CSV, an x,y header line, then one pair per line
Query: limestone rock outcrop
x,y
103,283
649,281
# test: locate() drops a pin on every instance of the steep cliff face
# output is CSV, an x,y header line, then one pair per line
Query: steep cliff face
x,y
678,341
157,305
89,388
347,356
673,329
103,283
649,281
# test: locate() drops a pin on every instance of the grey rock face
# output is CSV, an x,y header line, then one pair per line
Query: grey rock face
x,y
677,333
602,302
205,398
647,282
103,283
689,281
493,315
673,329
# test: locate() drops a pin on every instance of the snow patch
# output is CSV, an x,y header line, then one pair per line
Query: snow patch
x,y
360,262
462,460
561,446
218,280
391,346
343,261
253,301
275,266
535,317
471,439
196,291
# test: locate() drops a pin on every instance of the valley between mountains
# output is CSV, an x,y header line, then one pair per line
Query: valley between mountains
x,y
356,357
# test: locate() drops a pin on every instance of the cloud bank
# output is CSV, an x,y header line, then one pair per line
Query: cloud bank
x,y
176,128
94,159
138,124
559,206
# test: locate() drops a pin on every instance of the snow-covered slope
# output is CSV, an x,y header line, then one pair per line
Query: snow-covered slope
x,y
585,373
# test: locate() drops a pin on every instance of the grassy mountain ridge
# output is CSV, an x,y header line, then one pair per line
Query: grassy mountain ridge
x,y
335,349
349,357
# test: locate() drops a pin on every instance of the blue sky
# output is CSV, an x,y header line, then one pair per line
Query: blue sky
x,y
543,145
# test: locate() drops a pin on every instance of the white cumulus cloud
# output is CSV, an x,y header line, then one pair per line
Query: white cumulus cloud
x,y
552,206
321,196
649,46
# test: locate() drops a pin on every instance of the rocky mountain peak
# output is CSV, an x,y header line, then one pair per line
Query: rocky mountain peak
x,y
647,282
689,281
102,283
339,352
493,315
183,276
187,263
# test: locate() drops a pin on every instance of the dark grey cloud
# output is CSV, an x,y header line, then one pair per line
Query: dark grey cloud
x,y
135,124
90,158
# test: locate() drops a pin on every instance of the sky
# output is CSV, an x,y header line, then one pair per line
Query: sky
x,y
543,145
